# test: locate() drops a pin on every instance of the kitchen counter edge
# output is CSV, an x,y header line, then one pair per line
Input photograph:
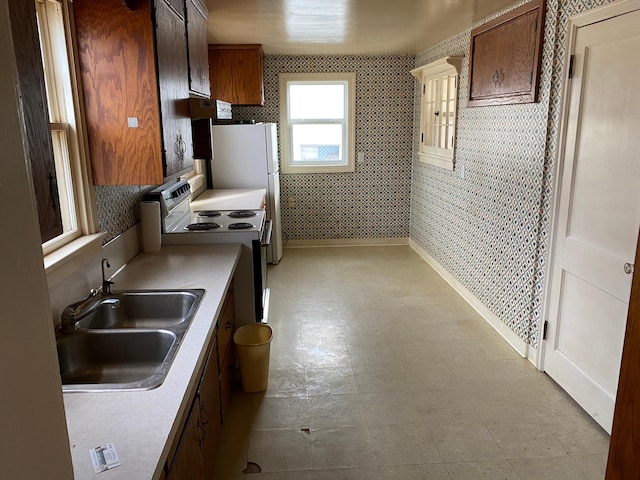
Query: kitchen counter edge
x,y
143,424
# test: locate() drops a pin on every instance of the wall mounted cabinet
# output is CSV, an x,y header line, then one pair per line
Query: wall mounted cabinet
x,y
135,81
198,53
438,110
32,104
505,55
236,73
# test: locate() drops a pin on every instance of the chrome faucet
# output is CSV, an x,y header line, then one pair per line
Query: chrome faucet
x,y
75,311
106,284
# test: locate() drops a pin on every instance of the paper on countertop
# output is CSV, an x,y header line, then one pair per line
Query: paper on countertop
x,y
104,457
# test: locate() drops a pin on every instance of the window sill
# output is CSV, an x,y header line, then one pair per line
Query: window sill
x,y
317,169
438,161
65,261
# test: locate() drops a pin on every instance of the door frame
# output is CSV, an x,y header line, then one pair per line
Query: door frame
x,y
576,22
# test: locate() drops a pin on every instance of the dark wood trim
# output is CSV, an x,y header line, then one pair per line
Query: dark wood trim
x,y
505,56
624,461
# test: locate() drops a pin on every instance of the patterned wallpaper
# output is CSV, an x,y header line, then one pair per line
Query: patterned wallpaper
x,y
119,208
373,201
490,229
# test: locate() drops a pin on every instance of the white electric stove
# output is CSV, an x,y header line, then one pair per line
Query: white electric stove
x,y
180,226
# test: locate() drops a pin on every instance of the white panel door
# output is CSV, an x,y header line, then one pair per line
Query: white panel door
x,y
598,216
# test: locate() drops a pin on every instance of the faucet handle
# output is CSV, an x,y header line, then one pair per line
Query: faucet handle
x,y
106,287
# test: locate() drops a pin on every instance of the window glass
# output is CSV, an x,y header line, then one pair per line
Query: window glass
x,y
316,101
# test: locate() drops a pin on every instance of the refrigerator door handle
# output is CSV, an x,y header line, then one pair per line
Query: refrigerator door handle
x,y
265,241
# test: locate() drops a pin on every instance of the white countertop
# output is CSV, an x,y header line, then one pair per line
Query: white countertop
x,y
230,199
143,424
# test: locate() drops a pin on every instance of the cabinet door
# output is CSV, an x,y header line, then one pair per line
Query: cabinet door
x,y
33,103
210,410
236,73
225,328
173,84
119,84
198,51
226,377
187,463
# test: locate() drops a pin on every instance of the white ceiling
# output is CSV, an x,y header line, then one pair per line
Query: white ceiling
x,y
343,27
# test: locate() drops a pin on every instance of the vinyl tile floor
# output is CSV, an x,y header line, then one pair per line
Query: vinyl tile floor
x,y
380,370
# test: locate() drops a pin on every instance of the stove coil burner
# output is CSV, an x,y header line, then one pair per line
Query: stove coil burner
x,y
242,214
240,226
202,226
209,213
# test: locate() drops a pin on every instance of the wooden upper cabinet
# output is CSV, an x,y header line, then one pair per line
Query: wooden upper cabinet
x,y
133,64
35,117
505,55
198,54
236,73
173,83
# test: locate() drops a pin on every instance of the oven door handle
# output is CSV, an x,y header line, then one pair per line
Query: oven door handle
x,y
265,241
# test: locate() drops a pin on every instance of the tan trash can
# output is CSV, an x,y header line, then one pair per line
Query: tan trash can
x,y
253,345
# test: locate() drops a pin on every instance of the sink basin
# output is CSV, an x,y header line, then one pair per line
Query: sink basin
x,y
126,345
143,309
108,360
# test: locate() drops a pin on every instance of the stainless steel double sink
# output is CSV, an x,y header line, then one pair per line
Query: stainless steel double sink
x,y
127,341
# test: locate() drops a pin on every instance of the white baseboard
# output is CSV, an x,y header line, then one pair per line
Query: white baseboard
x,y
347,242
519,345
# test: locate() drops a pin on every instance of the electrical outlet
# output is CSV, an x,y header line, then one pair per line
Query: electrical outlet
x,y
292,202
360,157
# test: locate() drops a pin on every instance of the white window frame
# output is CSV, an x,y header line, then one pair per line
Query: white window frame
x,y
66,112
348,122
434,107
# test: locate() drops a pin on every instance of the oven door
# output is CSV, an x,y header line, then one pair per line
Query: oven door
x,y
260,273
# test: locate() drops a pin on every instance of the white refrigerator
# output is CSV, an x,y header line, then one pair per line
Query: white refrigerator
x,y
246,156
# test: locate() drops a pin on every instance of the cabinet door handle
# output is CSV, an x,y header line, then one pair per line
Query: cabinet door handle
x,y
179,147
53,185
204,416
228,325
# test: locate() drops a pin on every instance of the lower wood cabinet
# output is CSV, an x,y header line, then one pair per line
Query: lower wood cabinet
x,y
226,353
210,411
194,453
188,461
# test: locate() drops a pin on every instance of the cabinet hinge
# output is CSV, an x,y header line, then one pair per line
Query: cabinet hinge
x,y
571,59
545,329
